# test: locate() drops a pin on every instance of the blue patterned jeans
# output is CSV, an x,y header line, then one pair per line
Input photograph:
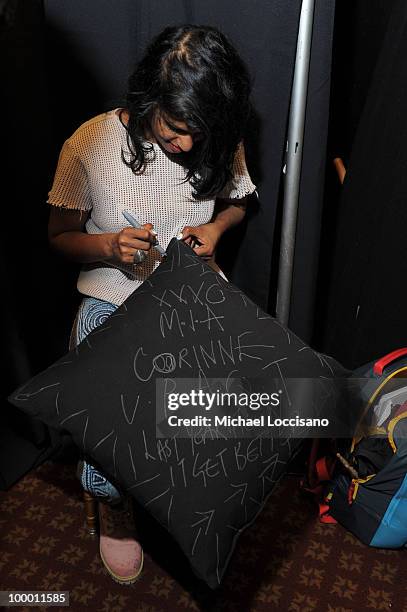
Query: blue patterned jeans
x,y
91,314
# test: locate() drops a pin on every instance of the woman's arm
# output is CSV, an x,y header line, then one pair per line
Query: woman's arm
x,y
228,212
67,236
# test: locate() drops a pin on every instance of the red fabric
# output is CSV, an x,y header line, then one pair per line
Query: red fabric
x,y
324,516
324,471
387,359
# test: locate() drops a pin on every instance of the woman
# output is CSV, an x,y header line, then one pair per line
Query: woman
x,y
174,149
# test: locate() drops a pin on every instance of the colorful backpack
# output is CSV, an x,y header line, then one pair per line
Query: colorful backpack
x,y
366,487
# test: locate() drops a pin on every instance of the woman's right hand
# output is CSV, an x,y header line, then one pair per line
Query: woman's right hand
x,y
128,241
67,235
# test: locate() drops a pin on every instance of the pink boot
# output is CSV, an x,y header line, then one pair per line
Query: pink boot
x,y
120,552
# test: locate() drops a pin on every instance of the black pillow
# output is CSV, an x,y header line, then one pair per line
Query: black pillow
x,y
185,321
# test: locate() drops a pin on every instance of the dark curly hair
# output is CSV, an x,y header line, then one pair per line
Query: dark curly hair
x,y
191,74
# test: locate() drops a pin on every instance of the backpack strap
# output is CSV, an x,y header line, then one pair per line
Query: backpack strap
x,y
386,360
323,469
324,516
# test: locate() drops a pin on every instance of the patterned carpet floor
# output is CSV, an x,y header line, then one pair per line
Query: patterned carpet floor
x,y
286,561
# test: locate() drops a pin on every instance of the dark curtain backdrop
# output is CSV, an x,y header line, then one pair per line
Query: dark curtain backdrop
x,y
365,315
35,321
73,59
360,28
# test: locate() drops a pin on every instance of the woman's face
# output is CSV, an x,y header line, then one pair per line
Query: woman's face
x,y
173,136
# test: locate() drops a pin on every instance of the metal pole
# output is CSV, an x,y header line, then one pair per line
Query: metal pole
x,y
294,159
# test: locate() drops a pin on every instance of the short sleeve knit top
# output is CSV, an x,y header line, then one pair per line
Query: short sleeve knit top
x,y
91,176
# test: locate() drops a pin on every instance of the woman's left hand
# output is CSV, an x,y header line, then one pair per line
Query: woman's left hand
x,y
203,238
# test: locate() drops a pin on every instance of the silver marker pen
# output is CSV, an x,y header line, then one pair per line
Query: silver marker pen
x,y
138,225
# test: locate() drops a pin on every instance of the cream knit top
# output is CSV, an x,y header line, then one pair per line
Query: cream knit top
x,y
91,176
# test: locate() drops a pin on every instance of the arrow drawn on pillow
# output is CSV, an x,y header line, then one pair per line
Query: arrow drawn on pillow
x,y
84,433
271,464
25,396
157,497
207,516
132,462
114,457
195,541
72,415
217,558
169,510
143,482
241,488
103,440
130,422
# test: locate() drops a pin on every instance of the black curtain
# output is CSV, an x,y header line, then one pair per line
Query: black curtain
x,y
365,308
35,314
74,59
